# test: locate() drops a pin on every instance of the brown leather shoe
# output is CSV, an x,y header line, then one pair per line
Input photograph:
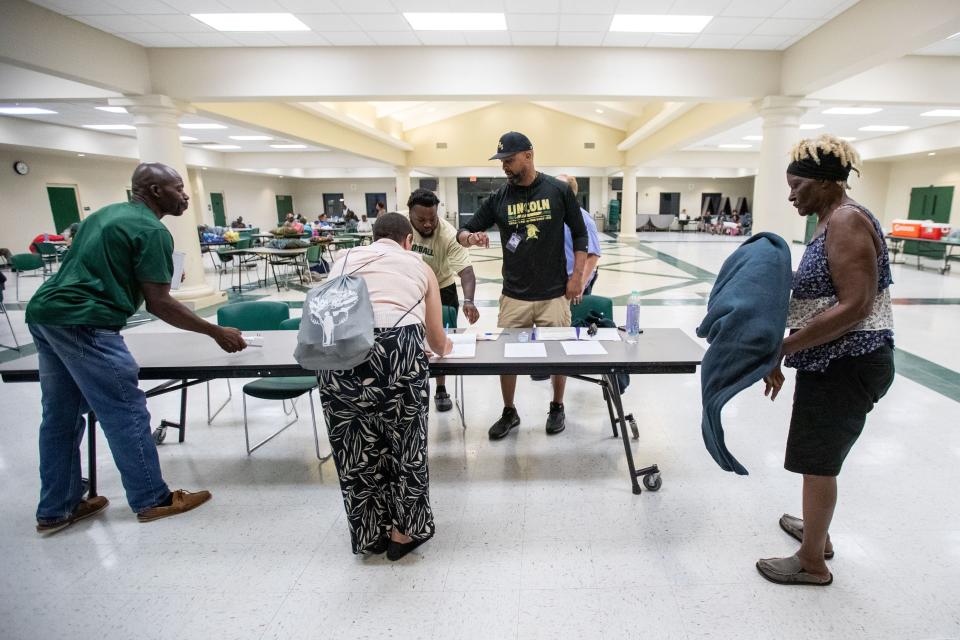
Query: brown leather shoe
x,y
85,509
181,501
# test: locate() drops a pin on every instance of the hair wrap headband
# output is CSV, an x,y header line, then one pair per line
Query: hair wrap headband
x,y
829,168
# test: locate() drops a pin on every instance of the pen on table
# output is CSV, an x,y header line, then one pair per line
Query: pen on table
x,y
533,334
578,332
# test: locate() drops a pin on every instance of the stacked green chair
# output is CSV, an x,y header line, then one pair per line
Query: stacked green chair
x,y
268,316
49,254
24,262
602,306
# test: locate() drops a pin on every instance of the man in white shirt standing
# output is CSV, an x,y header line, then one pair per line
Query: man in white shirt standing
x,y
436,240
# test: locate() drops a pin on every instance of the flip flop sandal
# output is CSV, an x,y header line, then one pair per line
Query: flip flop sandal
x,y
789,571
793,526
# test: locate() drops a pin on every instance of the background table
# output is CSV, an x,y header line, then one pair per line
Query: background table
x,y
183,359
947,244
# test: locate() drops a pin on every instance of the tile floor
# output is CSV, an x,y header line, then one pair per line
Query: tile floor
x,y
537,536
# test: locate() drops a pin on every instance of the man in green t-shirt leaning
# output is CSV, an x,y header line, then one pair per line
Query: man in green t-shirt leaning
x,y
436,241
121,256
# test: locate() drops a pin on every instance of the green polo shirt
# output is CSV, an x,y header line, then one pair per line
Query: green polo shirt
x,y
98,284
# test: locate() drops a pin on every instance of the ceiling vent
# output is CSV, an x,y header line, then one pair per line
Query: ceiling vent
x,y
589,145
441,145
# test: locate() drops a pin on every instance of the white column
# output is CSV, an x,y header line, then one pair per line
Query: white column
x,y
605,195
628,205
158,138
199,202
781,130
403,187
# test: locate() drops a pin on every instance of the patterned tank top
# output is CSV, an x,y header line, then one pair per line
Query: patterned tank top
x,y
814,293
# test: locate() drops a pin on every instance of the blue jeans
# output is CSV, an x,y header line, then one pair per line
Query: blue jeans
x,y
84,369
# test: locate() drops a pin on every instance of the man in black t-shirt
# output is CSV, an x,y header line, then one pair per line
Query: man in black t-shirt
x,y
530,211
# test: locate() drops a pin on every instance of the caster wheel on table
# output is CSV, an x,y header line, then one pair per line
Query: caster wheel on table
x,y
160,434
652,482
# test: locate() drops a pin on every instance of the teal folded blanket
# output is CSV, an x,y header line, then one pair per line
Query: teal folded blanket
x,y
744,325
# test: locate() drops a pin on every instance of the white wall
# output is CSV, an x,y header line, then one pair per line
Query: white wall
x,y
308,196
24,206
250,195
649,190
870,189
938,171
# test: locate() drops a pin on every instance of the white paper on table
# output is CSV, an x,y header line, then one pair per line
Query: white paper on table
x,y
524,350
178,259
604,334
583,348
464,345
556,333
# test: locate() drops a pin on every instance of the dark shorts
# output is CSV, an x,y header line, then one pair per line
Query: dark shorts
x,y
448,296
830,409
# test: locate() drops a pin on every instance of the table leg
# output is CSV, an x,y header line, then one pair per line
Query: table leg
x,y
651,474
92,454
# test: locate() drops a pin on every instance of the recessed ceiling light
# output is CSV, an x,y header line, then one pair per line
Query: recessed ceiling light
x,y
251,137
932,153
252,21
848,138
735,146
851,111
187,139
112,109
884,127
25,111
754,138
810,127
942,113
202,125
288,146
81,155
221,147
110,127
633,23
954,36
599,110
457,21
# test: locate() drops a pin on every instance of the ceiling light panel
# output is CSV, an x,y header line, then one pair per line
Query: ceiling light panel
x,y
252,21
810,127
221,147
25,111
851,111
942,113
201,125
187,139
110,127
288,146
888,128
735,146
457,21
252,138
112,109
645,23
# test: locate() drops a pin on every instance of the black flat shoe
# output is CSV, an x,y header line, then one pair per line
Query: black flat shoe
x,y
396,550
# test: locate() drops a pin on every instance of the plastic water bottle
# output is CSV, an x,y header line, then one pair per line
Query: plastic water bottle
x,y
633,318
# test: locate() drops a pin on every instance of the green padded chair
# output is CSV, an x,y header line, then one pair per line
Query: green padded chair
x,y
268,316
24,262
290,324
603,306
49,254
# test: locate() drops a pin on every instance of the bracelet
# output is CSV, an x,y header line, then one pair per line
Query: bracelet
x,y
465,301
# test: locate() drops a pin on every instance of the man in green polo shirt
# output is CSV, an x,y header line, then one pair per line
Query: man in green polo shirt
x,y
122,255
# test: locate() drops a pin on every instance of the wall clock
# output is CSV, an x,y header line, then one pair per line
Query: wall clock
x,y
21,167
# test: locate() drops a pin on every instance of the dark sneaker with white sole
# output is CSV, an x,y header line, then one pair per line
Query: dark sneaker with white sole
x,y
507,421
556,420
442,401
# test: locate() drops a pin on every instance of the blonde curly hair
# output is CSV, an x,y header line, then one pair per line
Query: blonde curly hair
x,y
827,144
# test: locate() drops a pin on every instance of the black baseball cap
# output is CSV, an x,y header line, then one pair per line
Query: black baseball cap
x,y
510,143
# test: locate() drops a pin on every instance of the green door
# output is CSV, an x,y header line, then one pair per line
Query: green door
x,y
811,228
928,203
284,206
219,215
64,205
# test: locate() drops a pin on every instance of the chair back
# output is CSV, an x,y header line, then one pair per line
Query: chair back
x,y
346,243
26,262
313,253
449,317
603,306
290,324
46,249
262,315
243,243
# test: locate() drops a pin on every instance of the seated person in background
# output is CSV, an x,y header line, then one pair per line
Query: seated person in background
x,y
71,232
379,209
238,223
44,237
376,413
746,223
323,222
364,226
289,220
